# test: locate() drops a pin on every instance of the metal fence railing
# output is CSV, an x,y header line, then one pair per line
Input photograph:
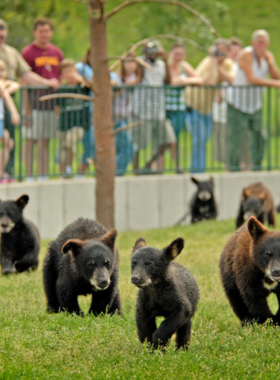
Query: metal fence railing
x,y
173,129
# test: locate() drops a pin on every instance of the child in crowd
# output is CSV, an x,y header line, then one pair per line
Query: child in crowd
x,y
74,116
7,87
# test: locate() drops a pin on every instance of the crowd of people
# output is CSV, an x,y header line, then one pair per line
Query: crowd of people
x,y
198,99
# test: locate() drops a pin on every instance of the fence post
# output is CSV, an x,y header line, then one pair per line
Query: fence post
x,y
269,89
20,137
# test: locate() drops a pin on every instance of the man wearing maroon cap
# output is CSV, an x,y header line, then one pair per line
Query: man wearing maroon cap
x,y
43,58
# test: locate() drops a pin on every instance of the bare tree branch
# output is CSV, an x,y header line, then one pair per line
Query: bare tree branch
x,y
65,95
125,128
159,36
172,2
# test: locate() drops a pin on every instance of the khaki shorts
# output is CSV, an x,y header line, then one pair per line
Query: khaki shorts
x,y
159,132
69,140
44,125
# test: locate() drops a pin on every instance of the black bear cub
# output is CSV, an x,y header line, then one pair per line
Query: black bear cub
x,y
82,260
20,239
256,200
167,289
203,205
250,271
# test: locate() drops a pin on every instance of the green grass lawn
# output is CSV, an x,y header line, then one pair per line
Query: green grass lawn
x,y
35,345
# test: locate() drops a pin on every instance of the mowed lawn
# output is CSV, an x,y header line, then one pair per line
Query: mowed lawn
x,y
35,345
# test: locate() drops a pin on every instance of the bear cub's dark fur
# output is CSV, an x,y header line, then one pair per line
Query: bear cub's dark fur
x,y
203,205
166,289
82,260
20,239
250,271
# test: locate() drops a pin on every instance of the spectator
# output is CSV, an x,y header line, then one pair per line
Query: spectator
x,y
7,87
74,116
148,107
17,68
220,109
214,69
43,58
182,74
235,48
84,69
130,76
245,104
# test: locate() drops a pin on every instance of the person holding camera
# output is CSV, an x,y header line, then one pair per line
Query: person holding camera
x,y
214,69
148,108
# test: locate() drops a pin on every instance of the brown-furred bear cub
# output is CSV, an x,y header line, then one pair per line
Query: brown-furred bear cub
x,y
82,260
250,271
165,289
256,200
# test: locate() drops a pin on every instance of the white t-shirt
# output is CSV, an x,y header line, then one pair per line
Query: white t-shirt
x,y
247,98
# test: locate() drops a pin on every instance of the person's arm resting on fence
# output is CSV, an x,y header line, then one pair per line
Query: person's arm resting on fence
x,y
11,86
245,64
192,76
8,100
273,68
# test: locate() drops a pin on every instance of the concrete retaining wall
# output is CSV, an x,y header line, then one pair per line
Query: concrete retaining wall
x,y
142,202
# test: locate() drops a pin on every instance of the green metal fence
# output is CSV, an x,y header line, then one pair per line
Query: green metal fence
x,y
169,129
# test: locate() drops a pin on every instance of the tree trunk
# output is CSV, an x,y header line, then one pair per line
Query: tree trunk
x,y
102,121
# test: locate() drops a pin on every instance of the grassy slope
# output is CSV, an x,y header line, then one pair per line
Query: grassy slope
x,y
35,345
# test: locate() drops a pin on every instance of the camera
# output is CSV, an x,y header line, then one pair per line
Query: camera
x,y
217,53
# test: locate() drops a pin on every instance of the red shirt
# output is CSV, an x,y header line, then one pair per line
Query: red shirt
x,y
44,62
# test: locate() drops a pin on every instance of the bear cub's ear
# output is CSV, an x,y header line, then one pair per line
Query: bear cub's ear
x,y
255,228
109,238
196,181
73,245
140,243
22,201
174,249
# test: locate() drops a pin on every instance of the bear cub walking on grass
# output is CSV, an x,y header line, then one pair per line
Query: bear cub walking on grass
x,y
256,200
250,271
20,239
82,260
166,289
203,205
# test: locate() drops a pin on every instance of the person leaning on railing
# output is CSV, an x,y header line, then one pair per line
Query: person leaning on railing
x,y
214,69
245,100
147,107
182,74
74,116
7,87
43,57
220,109
17,68
129,75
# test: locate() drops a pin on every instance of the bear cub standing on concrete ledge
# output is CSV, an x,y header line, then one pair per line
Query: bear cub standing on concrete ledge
x,y
166,289
82,260
250,271
256,200
203,205
20,239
